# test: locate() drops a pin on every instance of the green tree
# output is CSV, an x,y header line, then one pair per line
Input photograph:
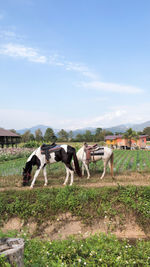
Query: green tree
x,y
32,138
98,131
88,137
70,135
129,135
49,134
63,135
97,134
147,132
79,138
38,135
102,134
26,136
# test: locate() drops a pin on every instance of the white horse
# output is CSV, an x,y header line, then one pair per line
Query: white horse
x,y
98,153
51,154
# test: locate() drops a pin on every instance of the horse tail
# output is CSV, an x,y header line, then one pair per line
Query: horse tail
x,y
76,163
111,163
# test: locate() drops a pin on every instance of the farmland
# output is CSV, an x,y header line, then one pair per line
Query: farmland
x,y
126,163
93,223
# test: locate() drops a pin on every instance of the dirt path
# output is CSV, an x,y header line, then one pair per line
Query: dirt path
x,y
137,179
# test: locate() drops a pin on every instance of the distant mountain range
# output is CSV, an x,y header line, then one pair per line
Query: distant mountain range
x,y
119,128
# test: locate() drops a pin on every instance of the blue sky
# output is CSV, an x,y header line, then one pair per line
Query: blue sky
x,y
74,64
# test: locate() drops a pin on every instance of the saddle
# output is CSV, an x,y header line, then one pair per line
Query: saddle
x,y
48,149
93,150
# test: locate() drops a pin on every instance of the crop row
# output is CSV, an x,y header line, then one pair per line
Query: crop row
x,y
123,161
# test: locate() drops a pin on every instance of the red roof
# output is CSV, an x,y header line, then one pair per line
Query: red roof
x,y
142,136
113,137
4,132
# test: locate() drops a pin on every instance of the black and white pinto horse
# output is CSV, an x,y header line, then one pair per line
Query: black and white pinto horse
x,y
99,153
65,154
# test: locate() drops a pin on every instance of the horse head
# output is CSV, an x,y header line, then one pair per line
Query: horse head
x,y
26,177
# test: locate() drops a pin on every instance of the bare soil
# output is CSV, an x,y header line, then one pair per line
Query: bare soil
x,y
67,225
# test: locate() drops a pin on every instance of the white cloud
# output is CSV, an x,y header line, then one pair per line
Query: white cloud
x,y
22,118
7,34
14,50
10,35
57,60
104,120
81,68
111,87
32,54
118,115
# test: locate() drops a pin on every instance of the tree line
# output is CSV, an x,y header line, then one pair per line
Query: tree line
x,y
64,136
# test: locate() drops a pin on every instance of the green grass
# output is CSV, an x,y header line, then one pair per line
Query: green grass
x,y
86,203
97,250
124,161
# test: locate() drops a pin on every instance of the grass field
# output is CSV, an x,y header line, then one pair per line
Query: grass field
x,y
115,205
126,162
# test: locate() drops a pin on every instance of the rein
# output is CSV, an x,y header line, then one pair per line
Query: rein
x,y
28,177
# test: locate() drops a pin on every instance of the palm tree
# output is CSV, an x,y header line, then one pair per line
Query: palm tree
x,y
129,135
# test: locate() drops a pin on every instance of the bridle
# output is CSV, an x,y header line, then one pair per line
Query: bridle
x,y
28,177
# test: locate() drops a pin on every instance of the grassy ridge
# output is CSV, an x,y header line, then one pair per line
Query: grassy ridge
x,y
87,203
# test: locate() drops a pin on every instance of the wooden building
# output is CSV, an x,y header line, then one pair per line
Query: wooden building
x,y
8,138
121,142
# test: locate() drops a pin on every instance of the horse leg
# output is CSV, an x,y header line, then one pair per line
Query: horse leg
x,y
83,169
104,171
35,176
109,164
70,171
87,169
72,176
45,175
67,175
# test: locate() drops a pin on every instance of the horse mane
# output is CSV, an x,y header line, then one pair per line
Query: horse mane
x,y
30,163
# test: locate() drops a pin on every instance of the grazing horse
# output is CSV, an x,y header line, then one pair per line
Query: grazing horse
x,y
51,154
87,154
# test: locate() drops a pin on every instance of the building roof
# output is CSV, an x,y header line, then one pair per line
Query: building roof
x,y
113,137
8,133
144,135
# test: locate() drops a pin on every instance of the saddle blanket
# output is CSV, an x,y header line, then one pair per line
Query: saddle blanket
x,y
99,151
48,149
